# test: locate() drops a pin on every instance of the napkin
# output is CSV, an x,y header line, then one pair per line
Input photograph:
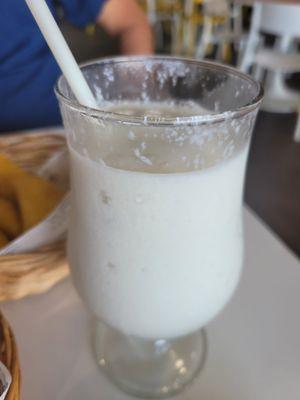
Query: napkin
x,y
5,381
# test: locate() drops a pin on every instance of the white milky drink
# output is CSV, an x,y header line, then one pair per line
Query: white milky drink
x,y
155,246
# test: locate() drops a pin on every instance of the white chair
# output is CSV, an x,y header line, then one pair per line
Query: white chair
x,y
271,65
160,11
189,28
223,33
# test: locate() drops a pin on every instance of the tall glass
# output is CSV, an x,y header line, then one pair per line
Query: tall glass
x,y
155,241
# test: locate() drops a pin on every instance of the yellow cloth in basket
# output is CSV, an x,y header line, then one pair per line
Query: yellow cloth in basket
x,y
25,200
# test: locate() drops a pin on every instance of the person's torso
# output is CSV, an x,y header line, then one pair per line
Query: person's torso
x,y
28,71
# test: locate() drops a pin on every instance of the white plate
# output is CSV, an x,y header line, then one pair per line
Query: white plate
x,y
254,345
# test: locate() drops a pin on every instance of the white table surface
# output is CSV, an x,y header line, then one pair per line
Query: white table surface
x,y
254,344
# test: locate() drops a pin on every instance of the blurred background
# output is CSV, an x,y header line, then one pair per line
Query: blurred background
x,y
262,39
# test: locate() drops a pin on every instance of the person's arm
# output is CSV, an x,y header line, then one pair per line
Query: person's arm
x,y
125,18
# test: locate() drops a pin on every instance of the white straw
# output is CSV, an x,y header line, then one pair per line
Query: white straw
x,y
61,52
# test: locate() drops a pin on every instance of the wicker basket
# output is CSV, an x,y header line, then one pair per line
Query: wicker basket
x,y
9,357
38,271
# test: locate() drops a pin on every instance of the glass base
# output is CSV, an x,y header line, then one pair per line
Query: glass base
x,y
149,368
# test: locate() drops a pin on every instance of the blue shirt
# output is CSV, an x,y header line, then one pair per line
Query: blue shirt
x,y
28,71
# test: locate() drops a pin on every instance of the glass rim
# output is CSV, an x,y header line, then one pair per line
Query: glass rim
x,y
150,120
